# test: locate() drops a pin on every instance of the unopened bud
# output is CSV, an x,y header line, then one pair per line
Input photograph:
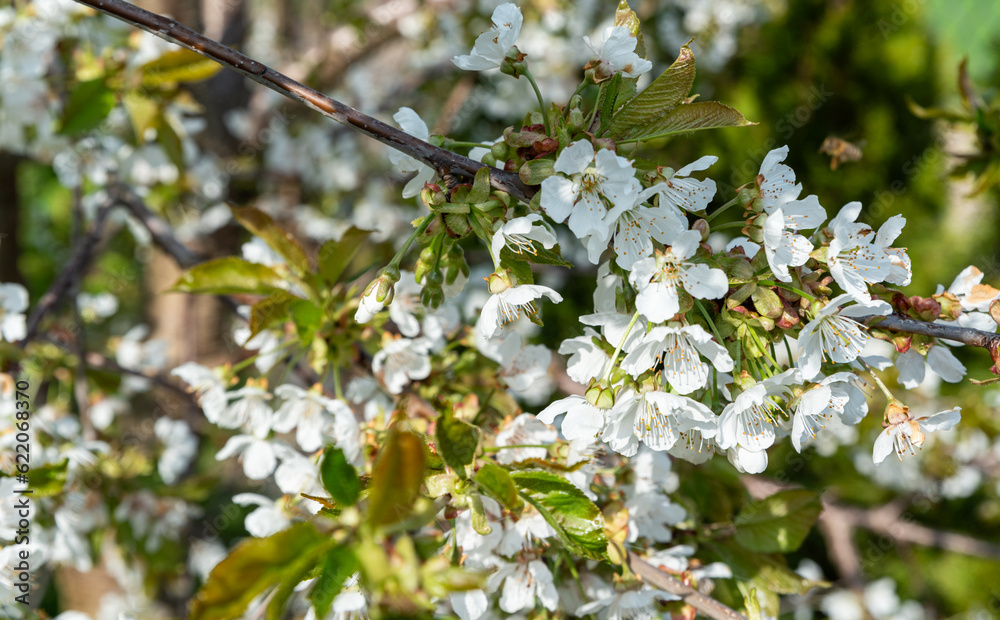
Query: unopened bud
x,y
600,396
498,281
535,171
500,151
702,227
378,295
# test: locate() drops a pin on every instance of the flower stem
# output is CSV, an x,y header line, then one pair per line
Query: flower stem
x,y
618,349
413,236
878,382
797,291
513,447
711,216
738,224
541,102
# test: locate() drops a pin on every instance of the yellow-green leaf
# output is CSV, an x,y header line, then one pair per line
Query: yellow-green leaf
x,y
334,256
253,567
778,523
89,104
399,472
577,520
229,275
664,94
685,118
279,239
180,65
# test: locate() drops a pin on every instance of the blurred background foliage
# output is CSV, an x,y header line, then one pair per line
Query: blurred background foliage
x,y
804,70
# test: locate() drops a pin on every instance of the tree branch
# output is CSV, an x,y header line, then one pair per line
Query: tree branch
x,y
668,583
437,158
965,335
76,266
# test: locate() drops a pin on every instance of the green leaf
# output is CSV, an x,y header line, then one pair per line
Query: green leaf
x,y
686,118
308,318
180,65
339,477
767,302
457,441
399,472
229,275
520,269
663,95
89,104
168,138
334,256
270,310
280,240
576,520
142,112
479,522
335,568
498,484
778,523
253,567
47,480
609,94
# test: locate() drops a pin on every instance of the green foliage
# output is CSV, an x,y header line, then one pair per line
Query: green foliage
x,y
335,567
88,107
457,440
779,522
577,521
230,275
398,475
663,108
254,567
280,240
338,477
496,481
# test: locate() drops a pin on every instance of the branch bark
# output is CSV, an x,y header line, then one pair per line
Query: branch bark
x,y
668,583
77,265
965,335
437,158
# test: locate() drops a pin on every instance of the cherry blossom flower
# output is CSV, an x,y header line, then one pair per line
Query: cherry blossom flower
x,y
903,432
525,429
635,604
679,348
583,420
747,426
833,335
656,419
180,447
854,258
518,234
659,277
594,181
776,181
782,246
522,582
680,191
256,451
586,360
975,299
636,227
836,395
508,302
911,367
616,55
523,366
267,519
378,293
491,47
402,360
248,409
208,389
410,122
309,413
900,272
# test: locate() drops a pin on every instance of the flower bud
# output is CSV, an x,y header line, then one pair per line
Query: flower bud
x,y
498,281
500,151
377,295
702,227
535,171
601,396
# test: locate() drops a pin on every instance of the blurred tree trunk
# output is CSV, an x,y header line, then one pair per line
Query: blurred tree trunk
x,y
10,217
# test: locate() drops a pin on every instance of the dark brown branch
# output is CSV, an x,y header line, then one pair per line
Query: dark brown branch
x,y
161,232
437,158
76,266
965,335
668,583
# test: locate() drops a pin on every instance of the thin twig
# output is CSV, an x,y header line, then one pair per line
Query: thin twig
x,y
668,583
965,335
437,158
76,266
